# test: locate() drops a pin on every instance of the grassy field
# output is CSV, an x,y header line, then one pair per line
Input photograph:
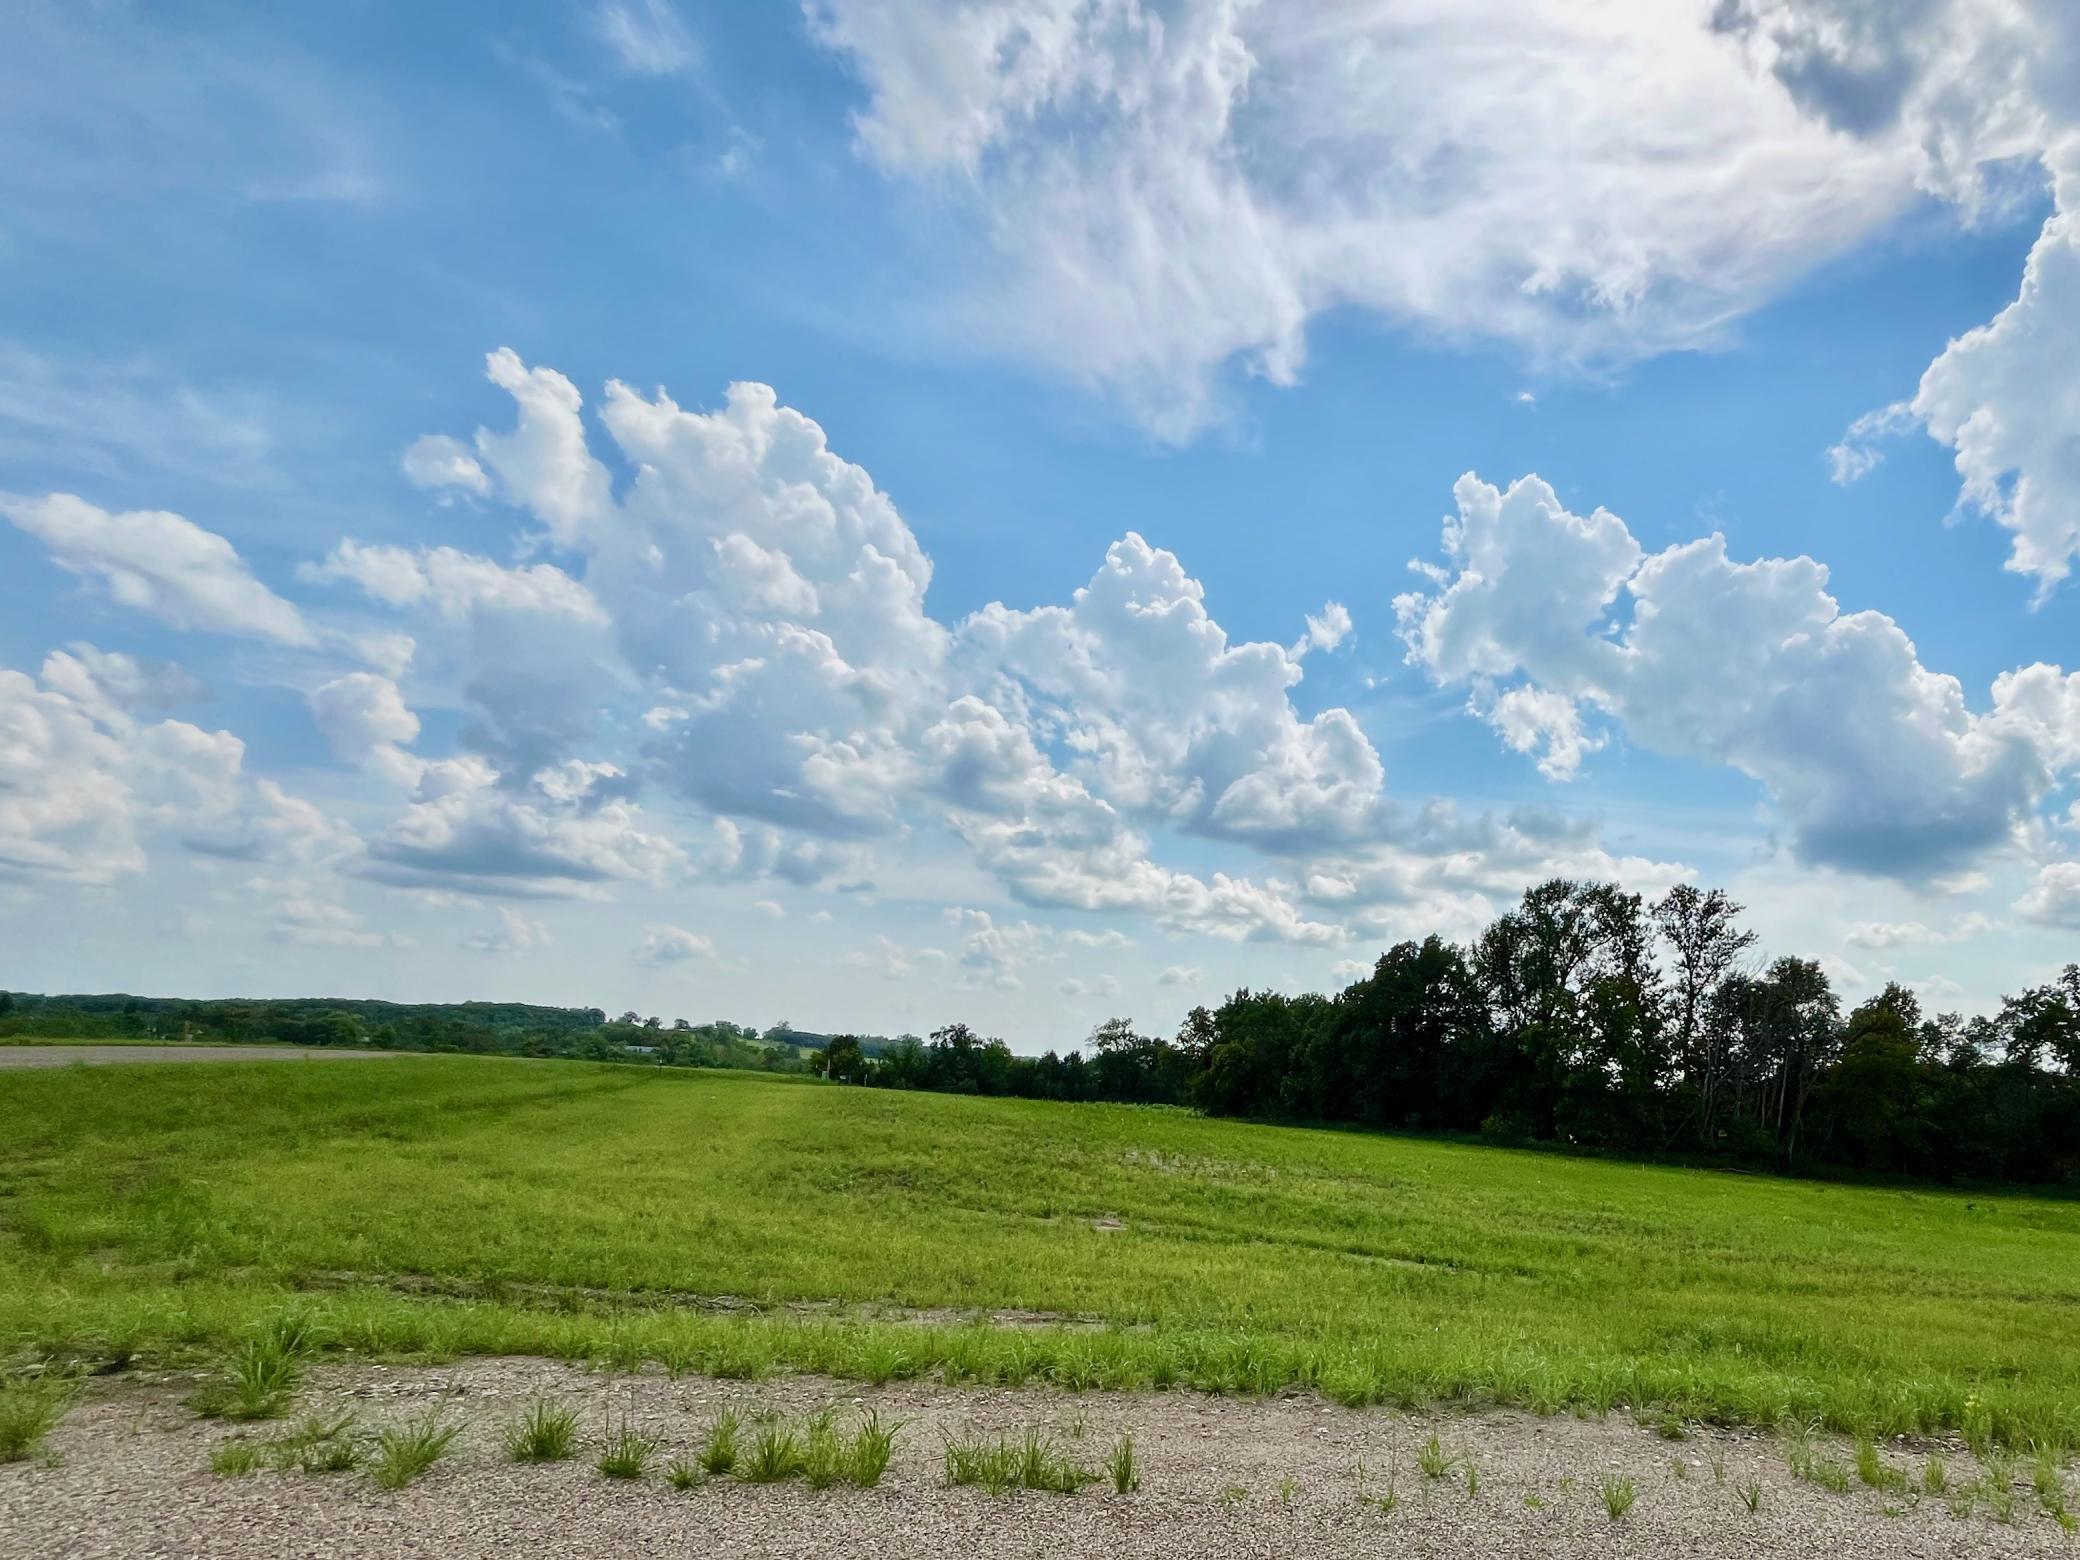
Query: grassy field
x,y
464,1205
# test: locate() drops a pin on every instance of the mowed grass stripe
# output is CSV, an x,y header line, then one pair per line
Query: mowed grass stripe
x,y
142,1212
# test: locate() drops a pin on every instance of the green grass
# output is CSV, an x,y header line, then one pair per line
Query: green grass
x,y
1619,1493
546,1432
168,1216
627,1455
405,1452
1034,1461
1124,1467
29,1411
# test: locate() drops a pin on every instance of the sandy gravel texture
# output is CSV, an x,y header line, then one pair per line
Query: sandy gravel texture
x,y
127,1474
66,1055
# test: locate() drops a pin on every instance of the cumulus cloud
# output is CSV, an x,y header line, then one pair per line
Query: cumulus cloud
x,y
108,682
364,719
160,564
1876,763
2054,898
511,932
1975,90
84,786
664,946
568,829
440,463
1179,189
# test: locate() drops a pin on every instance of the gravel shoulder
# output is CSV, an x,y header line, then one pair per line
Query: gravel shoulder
x,y
97,1055
128,1473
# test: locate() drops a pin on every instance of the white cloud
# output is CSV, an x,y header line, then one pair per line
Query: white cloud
x,y
365,720
2006,398
108,682
646,37
1326,630
668,945
569,829
1978,91
1902,934
2054,898
160,564
84,786
1173,190
1876,763
512,932
1181,975
439,462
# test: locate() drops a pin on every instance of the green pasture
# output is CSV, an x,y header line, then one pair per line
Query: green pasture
x,y
734,1224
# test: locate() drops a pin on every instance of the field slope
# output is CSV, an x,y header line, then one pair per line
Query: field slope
x,y
469,1205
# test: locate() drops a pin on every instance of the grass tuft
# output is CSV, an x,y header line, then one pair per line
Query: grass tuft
x,y
1035,1461
776,1454
1125,1466
1619,1493
872,1445
404,1452
823,1453
683,1475
29,1411
719,1450
1751,1496
264,1376
546,1432
627,1455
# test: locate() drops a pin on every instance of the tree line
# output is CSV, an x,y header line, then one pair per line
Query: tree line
x,y
1587,1016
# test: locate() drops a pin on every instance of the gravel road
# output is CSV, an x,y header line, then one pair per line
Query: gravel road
x,y
127,1474
66,1055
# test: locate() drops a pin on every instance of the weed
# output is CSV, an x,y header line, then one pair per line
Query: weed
x,y
627,1455
1934,1476
1033,1462
1619,1492
1288,1488
1751,1496
2047,1480
321,1446
1874,1470
1996,1487
872,1445
683,1475
776,1454
1534,1503
1125,1467
264,1376
406,1451
1718,1466
882,1360
823,1454
546,1432
236,1459
1473,1477
1670,1427
719,1451
1235,1495
1679,1468
29,1411
1432,1460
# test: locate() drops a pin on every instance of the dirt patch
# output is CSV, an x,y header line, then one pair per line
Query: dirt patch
x,y
13,1056
1292,1477
575,1297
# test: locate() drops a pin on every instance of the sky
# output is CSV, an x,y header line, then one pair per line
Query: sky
x,y
869,513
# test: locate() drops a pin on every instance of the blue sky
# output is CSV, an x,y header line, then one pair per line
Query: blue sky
x,y
400,682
